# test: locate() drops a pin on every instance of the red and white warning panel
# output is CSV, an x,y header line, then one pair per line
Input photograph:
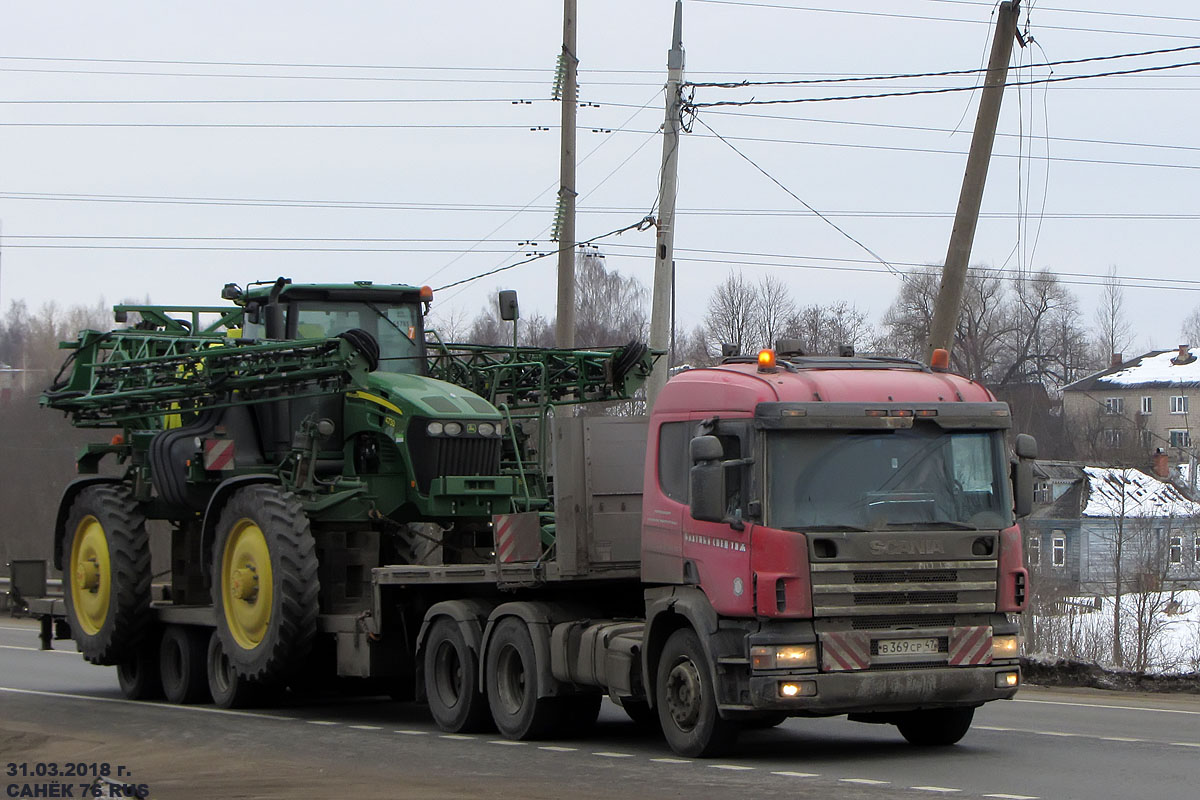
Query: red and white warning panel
x,y
518,537
218,454
971,645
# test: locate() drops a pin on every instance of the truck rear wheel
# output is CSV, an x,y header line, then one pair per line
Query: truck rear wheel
x,y
106,577
686,699
452,681
181,664
937,727
139,676
265,583
512,685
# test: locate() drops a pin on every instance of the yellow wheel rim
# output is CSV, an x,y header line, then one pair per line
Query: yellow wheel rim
x,y
90,576
246,583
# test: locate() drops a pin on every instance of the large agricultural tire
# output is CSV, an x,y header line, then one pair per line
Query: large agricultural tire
x,y
452,681
106,574
512,690
938,727
265,586
181,664
685,696
139,676
228,689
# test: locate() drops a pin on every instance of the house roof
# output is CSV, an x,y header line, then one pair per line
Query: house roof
x,y
1156,368
1132,493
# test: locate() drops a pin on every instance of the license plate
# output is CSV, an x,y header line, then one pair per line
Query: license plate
x,y
895,647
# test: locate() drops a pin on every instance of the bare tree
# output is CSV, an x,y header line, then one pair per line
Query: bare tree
x,y
823,329
610,308
1190,332
732,314
1113,331
775,310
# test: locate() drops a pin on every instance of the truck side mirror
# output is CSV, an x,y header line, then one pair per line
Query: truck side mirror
x,y
706,479
509,311
1022,474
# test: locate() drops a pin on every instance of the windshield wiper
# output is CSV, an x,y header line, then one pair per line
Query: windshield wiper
x,y
941,523
824,528
388,320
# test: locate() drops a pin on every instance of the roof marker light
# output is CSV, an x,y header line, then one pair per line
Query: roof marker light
x,y
940,360
426,294
766,360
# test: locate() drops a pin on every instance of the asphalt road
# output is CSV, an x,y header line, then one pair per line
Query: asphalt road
x,y
1069,745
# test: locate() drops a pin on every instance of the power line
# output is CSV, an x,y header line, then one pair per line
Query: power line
x,y
1074,11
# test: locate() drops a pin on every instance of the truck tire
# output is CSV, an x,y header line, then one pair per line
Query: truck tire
x,y
452,681
265,586
228,689
181,664
937,727
106,580
685,696
139,677
512,685
643,716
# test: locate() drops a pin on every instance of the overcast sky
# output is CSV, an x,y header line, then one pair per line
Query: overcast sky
x,y
443,177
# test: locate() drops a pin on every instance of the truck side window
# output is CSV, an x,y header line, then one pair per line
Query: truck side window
x,y
673,460
731,446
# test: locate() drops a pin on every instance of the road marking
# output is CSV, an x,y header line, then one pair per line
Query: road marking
x,y
798,774
458,737
145,704
37,650
507,742
1185,744
992,728
671,760
1055,733
1120,739
366,727
320,722
1102,705
30,629
735,767
606,754
941,789
867,781
412,733
1012,796
554,748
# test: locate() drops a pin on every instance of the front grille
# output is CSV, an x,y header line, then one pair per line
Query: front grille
x,y
895,622
914,589
437,456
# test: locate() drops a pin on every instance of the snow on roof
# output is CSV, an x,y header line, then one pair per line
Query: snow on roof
x,y
1143,495
1155,368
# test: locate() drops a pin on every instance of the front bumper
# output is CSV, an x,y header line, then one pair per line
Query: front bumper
x,y
883,690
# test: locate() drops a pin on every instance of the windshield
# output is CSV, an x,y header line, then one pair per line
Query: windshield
x,y
923,476
397,328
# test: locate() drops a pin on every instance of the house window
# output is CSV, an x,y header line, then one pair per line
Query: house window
x,y
1147,405
1034,550
1181,438
1175,550
1179,404
1196,549
1041,492
1114,405
1147,438
1058,545
1112,437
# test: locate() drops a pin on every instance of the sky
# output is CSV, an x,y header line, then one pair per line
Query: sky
x,y
161,150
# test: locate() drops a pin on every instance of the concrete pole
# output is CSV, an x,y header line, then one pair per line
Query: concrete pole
x,y
954,273
564,328
664,250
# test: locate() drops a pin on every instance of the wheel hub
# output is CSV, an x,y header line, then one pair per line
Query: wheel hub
x,y
87,575
684,695
245,584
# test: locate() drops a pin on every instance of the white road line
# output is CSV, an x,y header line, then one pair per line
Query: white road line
x,y
1185,744
940,789
1055,733
798,774
412,733
458,737
366,727
1116,708
321,722
507,742
735,767
867,781
992,728
145,704
554,748
606,754
30,629
1121,739
671,760
1012,796
37,650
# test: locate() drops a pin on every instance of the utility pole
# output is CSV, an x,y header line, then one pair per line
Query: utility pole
x,y
664,247
564,328
954,273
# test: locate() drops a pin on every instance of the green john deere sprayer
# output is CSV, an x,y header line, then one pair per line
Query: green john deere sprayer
x,y
295,440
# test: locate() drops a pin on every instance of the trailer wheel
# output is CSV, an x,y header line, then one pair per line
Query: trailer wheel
x,y
139,677
512,685
181,663
107,578
937,727
228,689
686,700
265,583
452,681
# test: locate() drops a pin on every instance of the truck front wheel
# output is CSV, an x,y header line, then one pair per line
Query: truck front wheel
x,y
937,727
265,582
106,580
452,681
685,696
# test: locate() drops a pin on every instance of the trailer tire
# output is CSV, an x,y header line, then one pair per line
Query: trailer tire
x,y
512,685
140,677
265,585
685,695
106,582
181,664
938,727
228,689
452,681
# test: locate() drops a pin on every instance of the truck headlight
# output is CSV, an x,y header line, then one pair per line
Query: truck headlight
x,y
783,656
1005,646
